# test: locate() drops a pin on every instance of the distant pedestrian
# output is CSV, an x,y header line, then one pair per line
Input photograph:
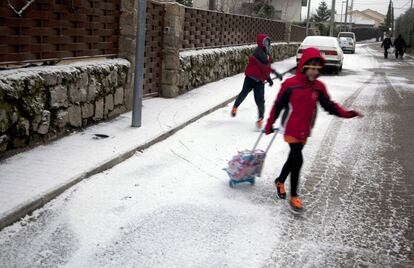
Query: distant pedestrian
x,y
258,71
386,44
400,46
298,98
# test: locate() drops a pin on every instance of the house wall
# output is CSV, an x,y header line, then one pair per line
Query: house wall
x,y
291,10
372,13
366,17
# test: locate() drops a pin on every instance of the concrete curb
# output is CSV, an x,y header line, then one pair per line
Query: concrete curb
x,y
14,216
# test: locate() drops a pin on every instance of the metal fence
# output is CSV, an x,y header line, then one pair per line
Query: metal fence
x,y
53,30
58,29
297,33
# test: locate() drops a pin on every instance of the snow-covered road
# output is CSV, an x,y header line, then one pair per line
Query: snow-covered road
x,y
170,206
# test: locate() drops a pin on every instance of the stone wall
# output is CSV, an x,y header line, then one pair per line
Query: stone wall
x,y
185,70
39,104
199,67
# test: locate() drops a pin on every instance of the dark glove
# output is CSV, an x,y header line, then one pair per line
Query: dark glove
x,y
270,81
352,114
268,129
278,75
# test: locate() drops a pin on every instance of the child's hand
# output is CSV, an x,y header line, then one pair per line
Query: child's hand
x,y
270,81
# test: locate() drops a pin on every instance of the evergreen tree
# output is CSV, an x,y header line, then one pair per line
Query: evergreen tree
x,y
263,9
388,18
188,3
323,14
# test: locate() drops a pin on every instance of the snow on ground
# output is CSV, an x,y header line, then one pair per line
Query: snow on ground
x,y
170,206
55,165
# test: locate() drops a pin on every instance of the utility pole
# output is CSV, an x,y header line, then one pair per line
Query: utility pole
x,y
212,4
308,18
392,19
346,16
139,65
342,15
351,19
332,23
411,25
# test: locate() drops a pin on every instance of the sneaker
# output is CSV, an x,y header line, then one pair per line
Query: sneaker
x,y
234,111
296,204
280,187
259,124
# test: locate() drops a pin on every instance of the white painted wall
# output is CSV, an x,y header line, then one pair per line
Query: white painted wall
x,y
291,9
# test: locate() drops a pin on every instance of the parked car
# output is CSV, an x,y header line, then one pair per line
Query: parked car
x,y
347,44
329,48
349,35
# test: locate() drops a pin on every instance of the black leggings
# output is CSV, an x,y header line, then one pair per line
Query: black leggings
x,y
258,89
292,166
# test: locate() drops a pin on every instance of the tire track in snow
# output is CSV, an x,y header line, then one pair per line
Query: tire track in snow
x,y
351,237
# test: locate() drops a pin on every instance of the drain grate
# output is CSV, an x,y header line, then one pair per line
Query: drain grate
x,y
100,136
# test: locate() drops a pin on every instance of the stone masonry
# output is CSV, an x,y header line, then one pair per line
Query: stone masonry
x,y
39,104
204,66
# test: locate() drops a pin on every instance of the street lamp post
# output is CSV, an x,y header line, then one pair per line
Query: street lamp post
x,y
346,16
308,18
342,14
139,65
332,23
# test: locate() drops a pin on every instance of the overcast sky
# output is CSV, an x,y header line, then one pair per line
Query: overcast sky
x,y
379,5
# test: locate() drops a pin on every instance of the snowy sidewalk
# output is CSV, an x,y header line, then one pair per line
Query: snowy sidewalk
x,y
31,179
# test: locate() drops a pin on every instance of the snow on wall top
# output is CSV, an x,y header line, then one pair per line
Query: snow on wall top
x,y
21,73
209,51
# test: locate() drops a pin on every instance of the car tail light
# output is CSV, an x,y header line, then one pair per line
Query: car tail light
x,y
300,51
331,52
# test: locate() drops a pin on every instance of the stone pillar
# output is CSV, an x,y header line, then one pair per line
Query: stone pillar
x,y
288,29
128,30
172,43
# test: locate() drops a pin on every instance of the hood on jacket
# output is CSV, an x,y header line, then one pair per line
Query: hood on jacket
x,y
309,54
260,39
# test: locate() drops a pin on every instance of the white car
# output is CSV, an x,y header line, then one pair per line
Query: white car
x,y
347,44
349,35
329,48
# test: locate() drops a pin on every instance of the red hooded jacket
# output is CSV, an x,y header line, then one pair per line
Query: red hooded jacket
x,y
298,97
259,66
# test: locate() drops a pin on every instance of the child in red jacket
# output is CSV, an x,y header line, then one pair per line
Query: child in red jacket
x,y
298,98
257,72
